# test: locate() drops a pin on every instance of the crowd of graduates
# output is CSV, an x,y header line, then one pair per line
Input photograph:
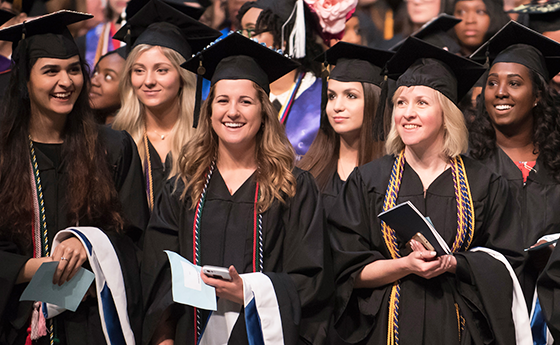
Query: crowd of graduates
x,y
268,144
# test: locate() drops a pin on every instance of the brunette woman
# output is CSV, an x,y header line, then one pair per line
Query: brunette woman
x,y
516,134
157,94
59,169
104,95
250,209
385,295
351,133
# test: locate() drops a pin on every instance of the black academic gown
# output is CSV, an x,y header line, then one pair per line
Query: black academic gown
x,y
160,170
84,325
294,254
331,191
549,293
535,205
482,287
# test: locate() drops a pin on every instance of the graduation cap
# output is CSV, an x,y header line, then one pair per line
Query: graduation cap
x,y
420,63
120,51
543,17
194,12
159,24
435,32
5,16
519,44
42,37
353,63
237,57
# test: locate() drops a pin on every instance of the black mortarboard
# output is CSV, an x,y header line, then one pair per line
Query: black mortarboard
x,y
45,36
238,57
159,24
356,63
194,12
543,17
519,44
5,16
420,63
435,33
120,51
42,37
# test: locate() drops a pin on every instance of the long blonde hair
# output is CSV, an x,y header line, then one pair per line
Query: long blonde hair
x,y
455,135
274,154
131,116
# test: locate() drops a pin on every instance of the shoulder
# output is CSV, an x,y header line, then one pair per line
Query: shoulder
x,y
115,141
375,174
482,180
303,177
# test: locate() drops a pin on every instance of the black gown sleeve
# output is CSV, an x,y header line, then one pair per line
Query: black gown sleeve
x,y
128,178
349,230
548,288
306,262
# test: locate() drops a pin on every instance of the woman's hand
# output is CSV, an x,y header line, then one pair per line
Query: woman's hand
x,y
229,289
70,255
425,264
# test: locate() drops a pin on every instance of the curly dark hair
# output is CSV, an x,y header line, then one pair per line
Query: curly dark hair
x,y
546,127
94,198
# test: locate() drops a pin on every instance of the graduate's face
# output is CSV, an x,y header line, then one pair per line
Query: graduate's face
x,y
54,86
345,107
509,98
418,117
236,113
155,81
421,11
471,31
104,92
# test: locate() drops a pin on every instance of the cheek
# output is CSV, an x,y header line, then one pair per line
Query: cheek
x,y
136,81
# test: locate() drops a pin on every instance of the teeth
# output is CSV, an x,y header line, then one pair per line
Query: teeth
x,y
410,126
62,95
503,107
233,124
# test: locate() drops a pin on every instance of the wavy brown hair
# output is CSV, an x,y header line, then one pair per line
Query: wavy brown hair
x,y
322,157
274,154
92,198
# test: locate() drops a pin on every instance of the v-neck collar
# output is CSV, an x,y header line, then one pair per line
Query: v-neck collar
x,y
245,192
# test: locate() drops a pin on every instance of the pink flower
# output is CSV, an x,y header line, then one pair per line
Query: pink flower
x,y
333,14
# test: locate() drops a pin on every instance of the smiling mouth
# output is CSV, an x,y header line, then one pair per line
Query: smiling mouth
x,y
411,126
233,124
62,95
503,107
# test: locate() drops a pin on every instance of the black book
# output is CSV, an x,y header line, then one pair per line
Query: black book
x,y
408,222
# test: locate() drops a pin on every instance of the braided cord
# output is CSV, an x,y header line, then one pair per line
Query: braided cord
x,y
40,205
148,174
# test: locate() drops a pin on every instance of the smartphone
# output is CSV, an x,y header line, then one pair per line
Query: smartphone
x,y
216,272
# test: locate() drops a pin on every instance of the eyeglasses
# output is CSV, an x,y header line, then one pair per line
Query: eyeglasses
x,y
248,32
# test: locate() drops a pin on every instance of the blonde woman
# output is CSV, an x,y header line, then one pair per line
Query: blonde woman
x,y
157,94
239,203
386,294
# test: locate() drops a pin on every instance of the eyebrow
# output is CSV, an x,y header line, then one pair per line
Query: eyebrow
x,y
510,75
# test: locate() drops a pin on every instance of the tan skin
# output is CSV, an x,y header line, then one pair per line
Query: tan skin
x,y
423,154
50,78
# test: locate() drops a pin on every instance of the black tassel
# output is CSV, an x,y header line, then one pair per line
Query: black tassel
x,y
198,98
324,98
487,62
23,65
379,124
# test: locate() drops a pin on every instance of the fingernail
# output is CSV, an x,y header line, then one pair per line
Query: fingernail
x,y
433,253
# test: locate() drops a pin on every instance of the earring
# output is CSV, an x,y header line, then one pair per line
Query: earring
x,y
535,104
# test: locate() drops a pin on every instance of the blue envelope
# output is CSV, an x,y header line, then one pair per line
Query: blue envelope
x,y
67,296
187,285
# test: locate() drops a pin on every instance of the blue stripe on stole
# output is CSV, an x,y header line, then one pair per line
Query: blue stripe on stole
x,y
112,321
86,241
253,324
538,325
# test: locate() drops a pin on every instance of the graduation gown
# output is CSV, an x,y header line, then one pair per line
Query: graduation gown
x,y
427,312
82,326
160,170
331,191
549,293
294,254
535,205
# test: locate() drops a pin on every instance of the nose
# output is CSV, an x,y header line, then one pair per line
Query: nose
x,y
338,104
95,80
502,90
65,80
469,17
410,111
150,80
232,112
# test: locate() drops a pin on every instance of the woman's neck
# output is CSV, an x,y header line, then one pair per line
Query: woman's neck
x,y
162,119
428,164
236,166
283,84
46,129
348,155
517,144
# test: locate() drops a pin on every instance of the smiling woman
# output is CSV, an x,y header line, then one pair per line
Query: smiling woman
x,y
516,133
59,169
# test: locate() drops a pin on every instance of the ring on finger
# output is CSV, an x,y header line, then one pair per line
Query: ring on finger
x,y
421,255
63,258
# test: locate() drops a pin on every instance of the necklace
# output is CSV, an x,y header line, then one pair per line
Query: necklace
x,y
161,136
